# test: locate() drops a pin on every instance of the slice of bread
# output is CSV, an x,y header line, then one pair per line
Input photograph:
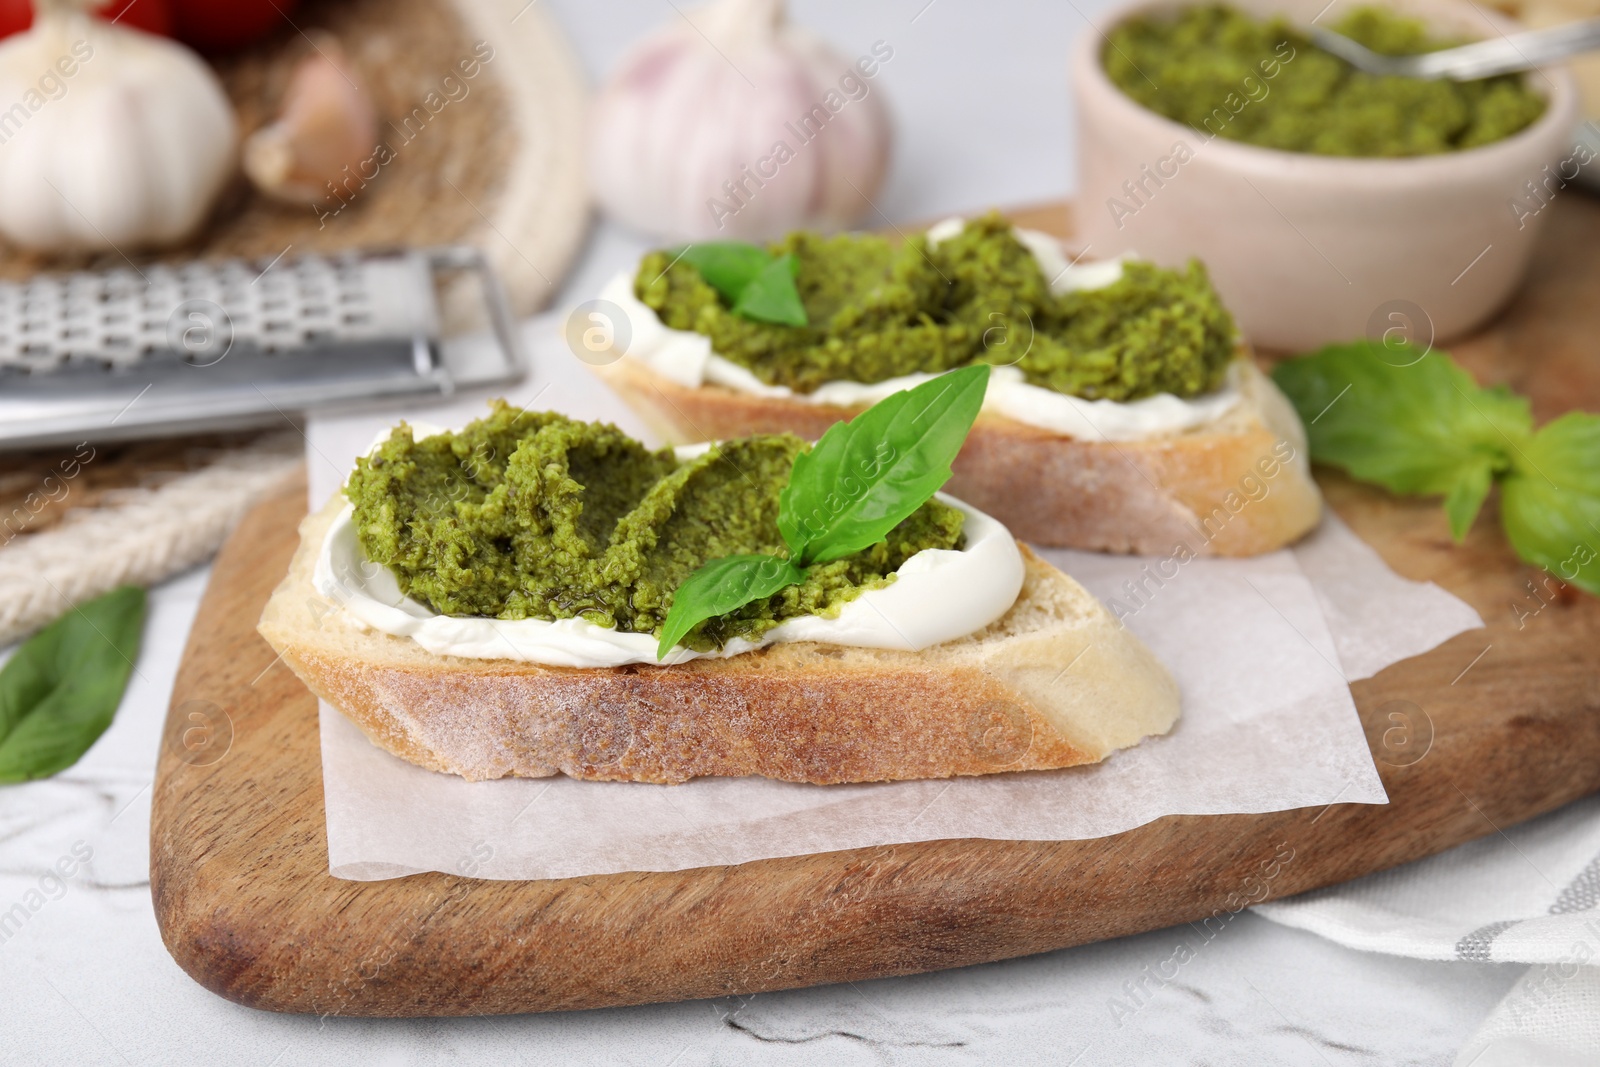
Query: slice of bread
x,y
1238,486
1055,682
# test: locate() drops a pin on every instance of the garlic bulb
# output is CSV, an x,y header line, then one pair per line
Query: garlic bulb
x,y
110,138
732,123
327,124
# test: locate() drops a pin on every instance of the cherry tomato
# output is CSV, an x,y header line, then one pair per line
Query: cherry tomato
x,y
15,16
227,25
151,16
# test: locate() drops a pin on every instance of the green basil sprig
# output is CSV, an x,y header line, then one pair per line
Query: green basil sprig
x,y
60,690
861,480
756,284
1416,423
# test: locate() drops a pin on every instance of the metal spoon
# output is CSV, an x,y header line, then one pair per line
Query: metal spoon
x,y
1481,59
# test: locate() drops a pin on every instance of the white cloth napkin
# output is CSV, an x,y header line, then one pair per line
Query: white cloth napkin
x,y
1528,894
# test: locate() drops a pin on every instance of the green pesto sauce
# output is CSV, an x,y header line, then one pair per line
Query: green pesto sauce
x,y
537,516
877,310
1225,73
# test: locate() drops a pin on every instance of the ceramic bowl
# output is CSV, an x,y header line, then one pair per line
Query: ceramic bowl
x,y
1308,249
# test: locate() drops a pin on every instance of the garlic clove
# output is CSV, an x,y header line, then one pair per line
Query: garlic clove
x,y
738,125
327,123
114,139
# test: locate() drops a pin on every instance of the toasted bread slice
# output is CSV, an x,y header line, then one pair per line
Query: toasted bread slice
x,y
1239,486
1055,682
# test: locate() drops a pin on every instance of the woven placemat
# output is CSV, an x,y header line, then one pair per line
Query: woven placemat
x,y
498,166
77,521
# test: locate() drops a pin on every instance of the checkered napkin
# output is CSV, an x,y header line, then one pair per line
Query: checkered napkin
x,y
1530,894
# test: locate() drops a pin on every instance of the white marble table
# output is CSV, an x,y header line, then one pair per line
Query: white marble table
x,y
980,95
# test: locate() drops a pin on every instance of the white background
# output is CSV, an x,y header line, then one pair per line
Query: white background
x,y
979,93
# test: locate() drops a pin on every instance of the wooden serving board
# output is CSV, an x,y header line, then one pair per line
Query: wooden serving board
x,y
239,865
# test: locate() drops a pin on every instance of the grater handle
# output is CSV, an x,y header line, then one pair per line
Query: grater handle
x,y
501,320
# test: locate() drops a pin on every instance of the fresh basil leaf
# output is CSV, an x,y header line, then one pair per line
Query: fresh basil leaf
x,y
866,476
1464,500
1410,422
727,266
60,690
771,295
860,481
721,586
1550,500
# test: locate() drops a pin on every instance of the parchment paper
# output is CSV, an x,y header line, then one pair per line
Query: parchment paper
x,y
1262,649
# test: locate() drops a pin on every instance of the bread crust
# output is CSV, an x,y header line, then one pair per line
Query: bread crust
x,y
1056,683
1206,489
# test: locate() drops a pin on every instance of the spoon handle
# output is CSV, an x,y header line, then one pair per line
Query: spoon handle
x,y
1481,59
1518,51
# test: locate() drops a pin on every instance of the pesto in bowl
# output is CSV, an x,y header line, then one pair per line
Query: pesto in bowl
x,y
1228,74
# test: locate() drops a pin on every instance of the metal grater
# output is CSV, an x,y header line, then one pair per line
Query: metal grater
x,y
204,346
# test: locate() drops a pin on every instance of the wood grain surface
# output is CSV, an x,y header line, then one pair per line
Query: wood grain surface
x,y
1506,722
